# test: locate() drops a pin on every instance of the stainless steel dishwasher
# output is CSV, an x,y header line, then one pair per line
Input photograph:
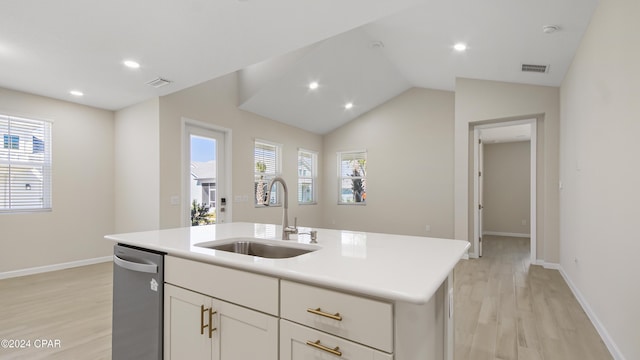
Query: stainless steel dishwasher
x,y
138,277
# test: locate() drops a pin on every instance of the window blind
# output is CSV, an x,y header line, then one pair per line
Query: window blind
x,y
25,164
266,158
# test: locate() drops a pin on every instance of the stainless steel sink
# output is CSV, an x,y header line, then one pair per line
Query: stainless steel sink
x,y
258,249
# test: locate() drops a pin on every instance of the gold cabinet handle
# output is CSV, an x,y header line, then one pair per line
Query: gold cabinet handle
x,y
316,344
211,328
210,324
318,311
202,325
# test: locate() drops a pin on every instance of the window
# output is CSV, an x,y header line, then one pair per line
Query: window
x,y
266,162
307,174
25,164
352,171
11,142
38,145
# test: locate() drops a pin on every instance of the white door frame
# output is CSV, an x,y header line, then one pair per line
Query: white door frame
x,y
478,168
533,184
185,179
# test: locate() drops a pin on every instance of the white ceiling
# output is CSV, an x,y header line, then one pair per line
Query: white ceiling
x,y
418,51
51,47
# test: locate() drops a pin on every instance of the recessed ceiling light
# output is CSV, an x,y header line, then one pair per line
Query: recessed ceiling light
x,y
76,93
460,47
313,85
348,105
131,64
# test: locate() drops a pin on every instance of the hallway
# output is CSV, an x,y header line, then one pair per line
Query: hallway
x,y
507,309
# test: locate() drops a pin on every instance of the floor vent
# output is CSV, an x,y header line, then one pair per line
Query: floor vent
x,y
535,68
159,82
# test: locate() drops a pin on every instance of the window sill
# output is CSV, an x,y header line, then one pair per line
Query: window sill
x,y
265,206
24,211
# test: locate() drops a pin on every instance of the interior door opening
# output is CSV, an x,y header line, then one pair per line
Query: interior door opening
x,y
481,134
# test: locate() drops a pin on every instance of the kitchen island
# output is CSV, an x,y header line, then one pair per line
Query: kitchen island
x,y
354,295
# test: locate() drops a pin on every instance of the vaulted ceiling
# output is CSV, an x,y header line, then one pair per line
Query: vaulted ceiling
x,y
359,51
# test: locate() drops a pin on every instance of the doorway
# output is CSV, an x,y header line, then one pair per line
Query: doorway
x,y
205,180
515,130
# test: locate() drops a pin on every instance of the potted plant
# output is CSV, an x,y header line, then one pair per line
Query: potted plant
x,y
261,195
200,214
357,185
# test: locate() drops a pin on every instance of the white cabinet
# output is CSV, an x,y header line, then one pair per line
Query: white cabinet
x,y
201,327
360,319
255,291
336,325
301,343
215,312
185,335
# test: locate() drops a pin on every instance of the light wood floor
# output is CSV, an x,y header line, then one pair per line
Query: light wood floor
x,y
507,309
72,306
504,309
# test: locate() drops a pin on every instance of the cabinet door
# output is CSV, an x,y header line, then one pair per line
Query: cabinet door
x,y
183,322
299,342
243,333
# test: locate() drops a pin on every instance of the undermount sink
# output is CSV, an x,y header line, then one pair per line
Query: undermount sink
x,y
259,249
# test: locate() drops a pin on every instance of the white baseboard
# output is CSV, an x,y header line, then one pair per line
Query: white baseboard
x,y
465,256
547,265
604,334
500,233
54,267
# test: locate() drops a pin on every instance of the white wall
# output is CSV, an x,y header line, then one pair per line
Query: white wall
x,y
506,183
409,143
481,101
83,188
215,102
599,234
137,167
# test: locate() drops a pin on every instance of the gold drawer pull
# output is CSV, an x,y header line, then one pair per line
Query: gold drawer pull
x,y
202,325
316,344
317,311
210,324
211,328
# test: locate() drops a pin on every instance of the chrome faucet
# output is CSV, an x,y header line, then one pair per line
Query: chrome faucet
x,y
286,229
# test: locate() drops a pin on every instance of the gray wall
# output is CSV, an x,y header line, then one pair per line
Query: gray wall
x,y
480,102
216,102
83,187
507,181
137,165
600,173
409,143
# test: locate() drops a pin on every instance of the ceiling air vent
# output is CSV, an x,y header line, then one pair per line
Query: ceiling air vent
x,y
535,68
159,82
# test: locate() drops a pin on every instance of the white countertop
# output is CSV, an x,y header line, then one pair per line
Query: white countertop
x,y
393,267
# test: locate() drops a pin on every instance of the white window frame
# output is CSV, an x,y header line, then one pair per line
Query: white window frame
x,y
23,158
267,176
313,178
342,178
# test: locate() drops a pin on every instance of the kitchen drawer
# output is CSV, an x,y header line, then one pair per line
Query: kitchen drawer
x,y
301,342
255,291
360,319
